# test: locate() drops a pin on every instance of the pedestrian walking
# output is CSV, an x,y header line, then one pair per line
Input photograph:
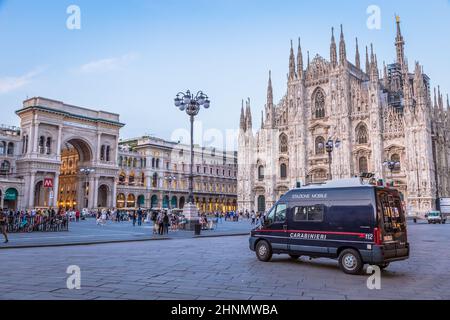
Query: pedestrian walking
x,y
133,217
139,216
160,223
3,225
166,223
253,216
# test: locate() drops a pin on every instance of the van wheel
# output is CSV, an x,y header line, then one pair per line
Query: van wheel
x,y
384,266
350,262
294,256
264,251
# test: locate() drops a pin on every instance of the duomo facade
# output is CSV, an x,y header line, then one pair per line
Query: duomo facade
x,y
378,113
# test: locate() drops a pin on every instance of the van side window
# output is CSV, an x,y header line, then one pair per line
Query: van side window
x,y
280,216
309,213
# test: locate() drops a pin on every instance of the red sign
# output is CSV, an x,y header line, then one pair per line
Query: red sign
x,y
48,183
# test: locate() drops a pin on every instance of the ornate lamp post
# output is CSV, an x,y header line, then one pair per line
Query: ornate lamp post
x,y
87,172
192,105
330,145
169,180
391,165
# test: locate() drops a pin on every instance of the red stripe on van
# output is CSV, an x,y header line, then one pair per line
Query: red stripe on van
x,y
360,235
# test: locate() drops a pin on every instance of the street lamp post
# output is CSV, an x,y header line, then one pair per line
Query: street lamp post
x,y
329,147
392,165
169,180
192,105
87,172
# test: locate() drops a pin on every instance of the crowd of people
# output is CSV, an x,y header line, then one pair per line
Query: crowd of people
x,y
35,220
163,220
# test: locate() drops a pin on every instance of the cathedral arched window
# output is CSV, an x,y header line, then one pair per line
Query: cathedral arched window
x,y
319,104
283,171
320,146
283,143
261,173
362,135
363,165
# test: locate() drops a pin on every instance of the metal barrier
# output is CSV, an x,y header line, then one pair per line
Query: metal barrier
x,y
20,224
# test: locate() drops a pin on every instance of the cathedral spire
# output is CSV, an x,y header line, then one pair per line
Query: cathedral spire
x,y
385,76
270,91
308,59
292,63
342,49
367,62
249,124
440,99
333,50
299,60
262,119
399,43
242,116
357,56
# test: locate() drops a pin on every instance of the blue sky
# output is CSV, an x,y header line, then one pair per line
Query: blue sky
x,y
132,57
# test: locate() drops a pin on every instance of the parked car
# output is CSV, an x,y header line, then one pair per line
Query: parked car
x,y
436,217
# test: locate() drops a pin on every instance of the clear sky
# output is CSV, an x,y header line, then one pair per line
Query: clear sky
x,y
132,57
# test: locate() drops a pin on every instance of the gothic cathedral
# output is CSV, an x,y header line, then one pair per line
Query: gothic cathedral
x,y
385,124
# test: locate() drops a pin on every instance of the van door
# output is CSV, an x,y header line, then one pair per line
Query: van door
x,y
276,228
392,222
306,230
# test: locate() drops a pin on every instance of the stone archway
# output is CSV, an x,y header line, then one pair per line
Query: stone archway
x,y
103,192
76,188
10,199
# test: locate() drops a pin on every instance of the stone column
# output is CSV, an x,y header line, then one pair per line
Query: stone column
x,y
31,190
91,193
99,148
114,194
2,203
58,150
95,192
35,138
54,202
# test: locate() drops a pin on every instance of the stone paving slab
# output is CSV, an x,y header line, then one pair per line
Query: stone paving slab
x,y
218,268
89,233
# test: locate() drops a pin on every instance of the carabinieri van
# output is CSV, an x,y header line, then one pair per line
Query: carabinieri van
x,y
347,220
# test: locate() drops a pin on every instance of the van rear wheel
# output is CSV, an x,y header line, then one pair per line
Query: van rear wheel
x,y
384,266
350,262
264,251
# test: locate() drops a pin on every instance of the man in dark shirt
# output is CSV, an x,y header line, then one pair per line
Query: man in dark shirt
x,y
3,225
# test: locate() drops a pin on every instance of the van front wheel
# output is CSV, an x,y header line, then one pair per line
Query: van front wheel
x,y
263,251
350,262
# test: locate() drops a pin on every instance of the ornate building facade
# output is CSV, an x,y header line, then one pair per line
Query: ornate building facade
x,y
42,161
154,174
377,116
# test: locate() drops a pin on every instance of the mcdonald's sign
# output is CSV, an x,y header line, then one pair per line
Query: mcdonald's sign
x,y
48,183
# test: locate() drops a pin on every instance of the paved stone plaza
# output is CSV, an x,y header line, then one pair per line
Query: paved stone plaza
x,y
88,232
217,268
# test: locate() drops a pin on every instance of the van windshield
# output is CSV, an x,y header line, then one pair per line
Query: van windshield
x,y
390,212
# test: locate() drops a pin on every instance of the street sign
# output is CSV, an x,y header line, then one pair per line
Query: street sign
x,y
52,195
48,183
